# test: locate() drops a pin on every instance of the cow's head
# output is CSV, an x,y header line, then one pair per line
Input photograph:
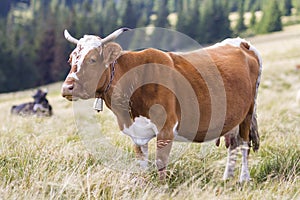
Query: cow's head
x,y
40,96
41,105
89,62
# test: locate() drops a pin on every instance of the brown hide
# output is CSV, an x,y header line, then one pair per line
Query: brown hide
x,y
238,68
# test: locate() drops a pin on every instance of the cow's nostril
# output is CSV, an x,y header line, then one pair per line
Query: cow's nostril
x,y
67,90
71,87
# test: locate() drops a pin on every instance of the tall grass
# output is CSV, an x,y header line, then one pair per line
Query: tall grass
x,y
46,158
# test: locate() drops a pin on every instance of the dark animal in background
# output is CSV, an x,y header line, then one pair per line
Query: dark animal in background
x,y
39,107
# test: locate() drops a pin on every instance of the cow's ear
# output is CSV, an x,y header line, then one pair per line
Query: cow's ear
x,y
111,52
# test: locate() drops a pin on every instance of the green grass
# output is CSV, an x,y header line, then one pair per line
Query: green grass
x,y
47,158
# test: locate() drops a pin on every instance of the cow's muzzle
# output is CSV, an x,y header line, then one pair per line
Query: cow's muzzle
x,y
72,93
67,91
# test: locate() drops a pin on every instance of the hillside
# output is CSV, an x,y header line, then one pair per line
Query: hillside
x,y
46,158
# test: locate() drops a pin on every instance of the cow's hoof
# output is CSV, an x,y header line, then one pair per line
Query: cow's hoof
x,y
162,174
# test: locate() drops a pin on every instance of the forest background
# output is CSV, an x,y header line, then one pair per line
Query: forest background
x,y
34,52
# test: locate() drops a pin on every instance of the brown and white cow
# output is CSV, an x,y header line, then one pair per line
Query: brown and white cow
x,y
154,100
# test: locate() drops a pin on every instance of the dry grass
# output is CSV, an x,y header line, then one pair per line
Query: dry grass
x,y
45,158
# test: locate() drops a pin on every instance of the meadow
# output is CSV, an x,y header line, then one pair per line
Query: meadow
x,y
46,158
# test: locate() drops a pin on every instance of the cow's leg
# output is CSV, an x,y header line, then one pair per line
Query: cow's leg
x,y
163,148
231,139
230,165
245,135
141,153
245,175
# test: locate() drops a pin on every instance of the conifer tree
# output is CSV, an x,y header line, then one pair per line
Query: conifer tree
x,y
271,20
162,14
250,5
296,5
241,24
182,17
252,19
189,19
215,23
194,26
143,20
46,57
110,17
6,60
130,16
59,66
5,7
287,7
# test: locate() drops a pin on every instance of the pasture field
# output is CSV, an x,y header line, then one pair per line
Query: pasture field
x,y
45,158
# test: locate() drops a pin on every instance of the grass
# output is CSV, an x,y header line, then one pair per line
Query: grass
x,y
47,158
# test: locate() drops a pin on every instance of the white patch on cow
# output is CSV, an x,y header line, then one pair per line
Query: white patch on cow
x,y
73,75
236,42
245,175
177,137
141,131
84,46
40,107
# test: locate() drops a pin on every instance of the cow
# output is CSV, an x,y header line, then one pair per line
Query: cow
x,y
155,99
39,107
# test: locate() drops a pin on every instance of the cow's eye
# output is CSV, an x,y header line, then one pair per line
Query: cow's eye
x,y
92,60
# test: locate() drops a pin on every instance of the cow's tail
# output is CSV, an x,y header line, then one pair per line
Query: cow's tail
x,y
254,135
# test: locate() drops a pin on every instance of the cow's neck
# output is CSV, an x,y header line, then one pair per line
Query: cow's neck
x,y
111,76
123,64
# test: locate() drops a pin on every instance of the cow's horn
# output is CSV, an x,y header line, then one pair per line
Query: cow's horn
x,y
70,38
114,35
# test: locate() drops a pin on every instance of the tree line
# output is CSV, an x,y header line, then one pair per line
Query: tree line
x,y
34,52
